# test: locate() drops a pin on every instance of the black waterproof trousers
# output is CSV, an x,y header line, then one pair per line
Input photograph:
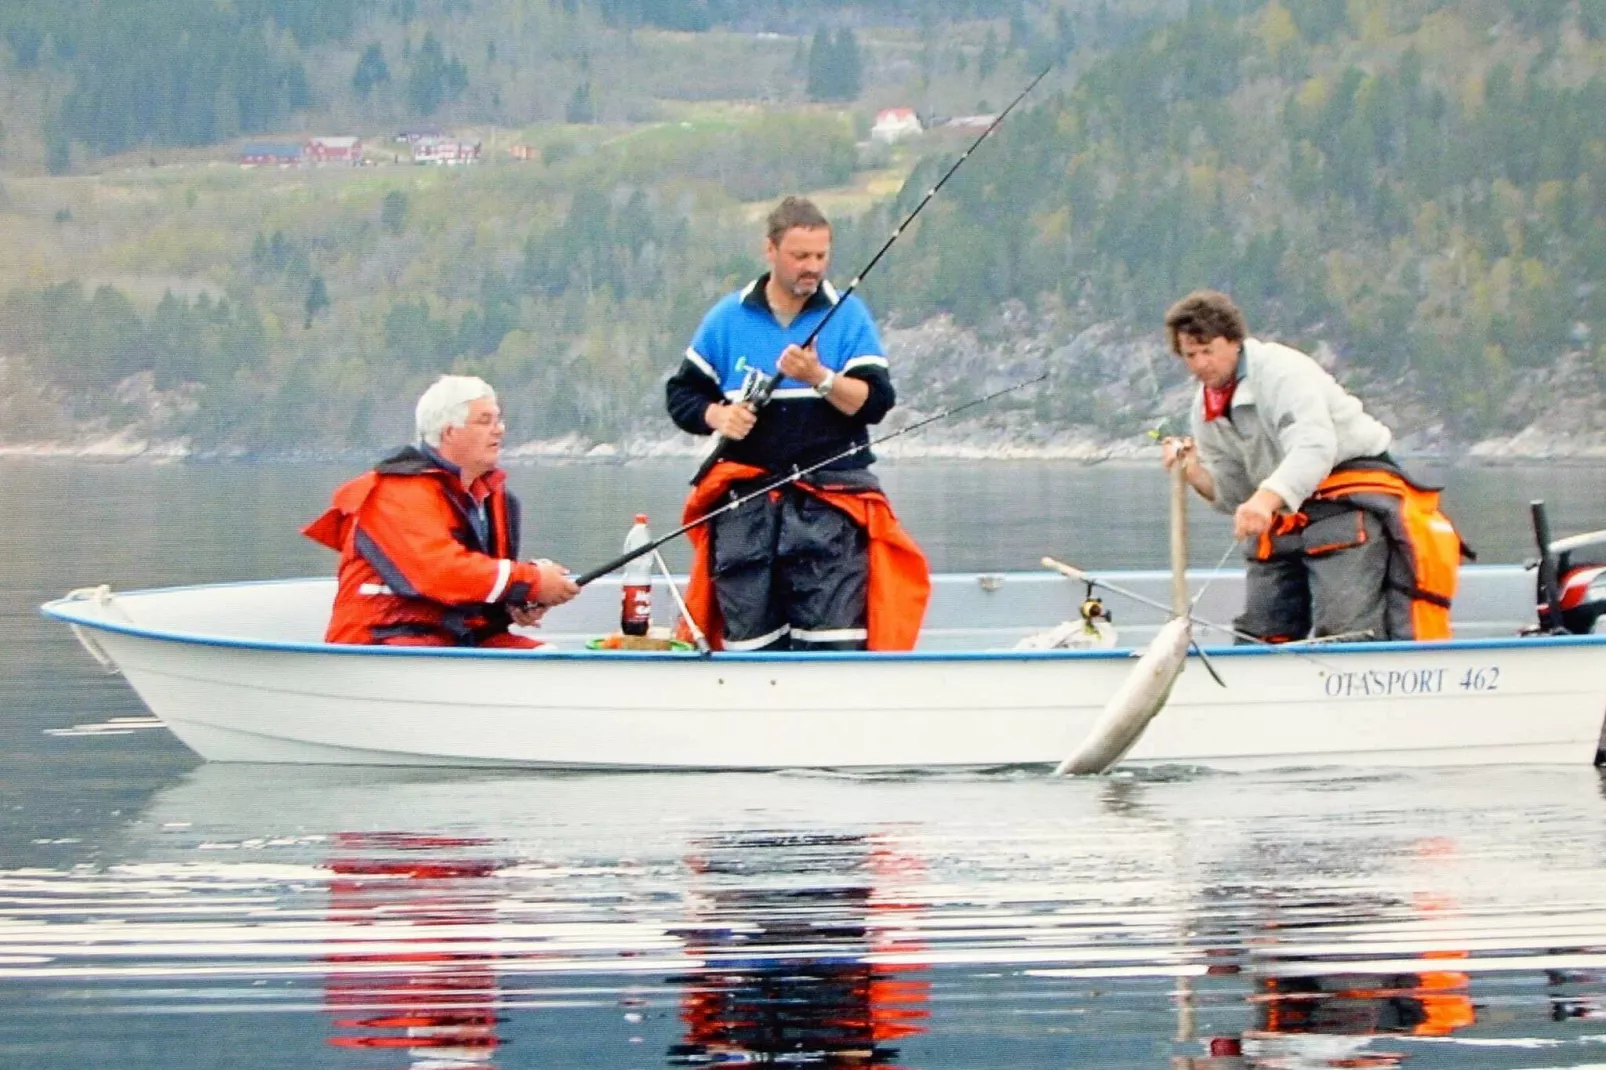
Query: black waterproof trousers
x,y
791,573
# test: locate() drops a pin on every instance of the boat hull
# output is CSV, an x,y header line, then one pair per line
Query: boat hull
x,y
1484,701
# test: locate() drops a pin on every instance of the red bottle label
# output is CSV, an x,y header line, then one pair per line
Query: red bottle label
x,y
635,614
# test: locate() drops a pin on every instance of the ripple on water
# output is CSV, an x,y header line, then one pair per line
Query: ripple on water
x,y
1286,917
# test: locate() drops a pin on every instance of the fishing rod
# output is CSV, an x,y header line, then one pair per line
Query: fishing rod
x,y
759,390
1295,648
795,475
930,193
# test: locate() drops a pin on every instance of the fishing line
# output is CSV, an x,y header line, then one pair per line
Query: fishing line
x,y
1215,574
1077,574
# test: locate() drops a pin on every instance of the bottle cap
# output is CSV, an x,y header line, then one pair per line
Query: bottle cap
x,y
641,518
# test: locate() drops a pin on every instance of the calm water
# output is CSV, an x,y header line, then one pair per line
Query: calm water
x,y
156,912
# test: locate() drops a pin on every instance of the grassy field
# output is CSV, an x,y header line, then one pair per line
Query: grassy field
x,y
188,225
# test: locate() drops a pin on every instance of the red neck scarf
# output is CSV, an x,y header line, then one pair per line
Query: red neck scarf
x,y
1218,399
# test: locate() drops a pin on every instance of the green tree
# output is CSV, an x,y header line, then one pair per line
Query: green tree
x,y
297,90
58,153
819,79
580,108
392,212
1020,31
371,70
849,64
435,78
317,299
1064,34
987,62
836,71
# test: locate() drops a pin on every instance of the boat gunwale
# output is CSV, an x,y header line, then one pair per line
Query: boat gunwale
x,y
62,609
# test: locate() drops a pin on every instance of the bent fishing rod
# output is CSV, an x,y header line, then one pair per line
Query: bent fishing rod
x,y
792,477
930,193
759,395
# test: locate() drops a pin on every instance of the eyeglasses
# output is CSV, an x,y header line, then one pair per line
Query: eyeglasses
x,y
486,420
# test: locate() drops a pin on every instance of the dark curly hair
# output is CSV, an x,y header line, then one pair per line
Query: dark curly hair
x,y
1204,315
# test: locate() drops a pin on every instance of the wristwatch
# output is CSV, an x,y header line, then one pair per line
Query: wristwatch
x,y
823,387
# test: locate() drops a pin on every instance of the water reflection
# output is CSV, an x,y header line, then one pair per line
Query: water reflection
x,y
788,968
1291,1008
1312,1006
1576,994
1197,922
417,994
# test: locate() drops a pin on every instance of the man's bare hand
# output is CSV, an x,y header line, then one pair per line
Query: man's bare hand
x,y
735,422
1176,450
556,587
528,616
1253,518
1179,450
801,364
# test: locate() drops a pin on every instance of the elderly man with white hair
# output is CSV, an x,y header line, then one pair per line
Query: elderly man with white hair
x,y
429,540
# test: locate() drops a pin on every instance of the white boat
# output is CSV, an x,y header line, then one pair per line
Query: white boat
x,y
239,673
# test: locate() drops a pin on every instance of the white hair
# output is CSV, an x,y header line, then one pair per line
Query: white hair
x,y
445,404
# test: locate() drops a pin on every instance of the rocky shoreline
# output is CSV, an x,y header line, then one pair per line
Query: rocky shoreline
x,y
1100,389
973,445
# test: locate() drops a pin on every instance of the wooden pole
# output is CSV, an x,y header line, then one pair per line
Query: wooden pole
x,y
1179,541
1180,607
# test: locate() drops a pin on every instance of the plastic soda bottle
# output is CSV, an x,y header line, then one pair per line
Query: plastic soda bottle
x,y
635,611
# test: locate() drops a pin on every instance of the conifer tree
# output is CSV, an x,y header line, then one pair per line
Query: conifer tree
x,y
371,70
836,71
317,299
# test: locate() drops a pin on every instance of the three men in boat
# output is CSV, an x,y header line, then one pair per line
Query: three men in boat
x,y
429,540
821,563
1340,542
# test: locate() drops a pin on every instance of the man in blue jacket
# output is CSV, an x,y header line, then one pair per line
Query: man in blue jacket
x,y
790,570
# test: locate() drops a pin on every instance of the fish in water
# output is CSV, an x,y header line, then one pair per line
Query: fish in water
x,y
1134,704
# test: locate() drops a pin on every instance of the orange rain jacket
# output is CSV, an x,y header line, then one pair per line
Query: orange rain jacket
x,y
413,569
900,578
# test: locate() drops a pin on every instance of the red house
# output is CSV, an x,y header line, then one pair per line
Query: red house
x,y
346,150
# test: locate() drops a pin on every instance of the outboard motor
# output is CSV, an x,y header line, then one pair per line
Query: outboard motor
x,y
1572,578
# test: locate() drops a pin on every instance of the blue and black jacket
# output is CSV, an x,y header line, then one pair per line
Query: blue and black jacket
x,y
797,427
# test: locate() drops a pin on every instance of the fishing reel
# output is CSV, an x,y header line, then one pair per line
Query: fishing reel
x,y
1092,629
1093,609
757,386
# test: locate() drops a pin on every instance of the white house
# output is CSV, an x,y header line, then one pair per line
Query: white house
x,y
895,124
445,151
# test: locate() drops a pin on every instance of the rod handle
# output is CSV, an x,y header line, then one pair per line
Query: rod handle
x,y
1066,570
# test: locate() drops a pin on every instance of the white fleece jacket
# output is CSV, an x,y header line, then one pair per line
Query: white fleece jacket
x,y
1290,423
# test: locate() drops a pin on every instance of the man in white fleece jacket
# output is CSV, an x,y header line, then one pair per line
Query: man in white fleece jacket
x,y
1269,429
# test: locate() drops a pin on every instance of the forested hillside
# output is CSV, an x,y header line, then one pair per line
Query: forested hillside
x,y
1414,186
1421,184
85,80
